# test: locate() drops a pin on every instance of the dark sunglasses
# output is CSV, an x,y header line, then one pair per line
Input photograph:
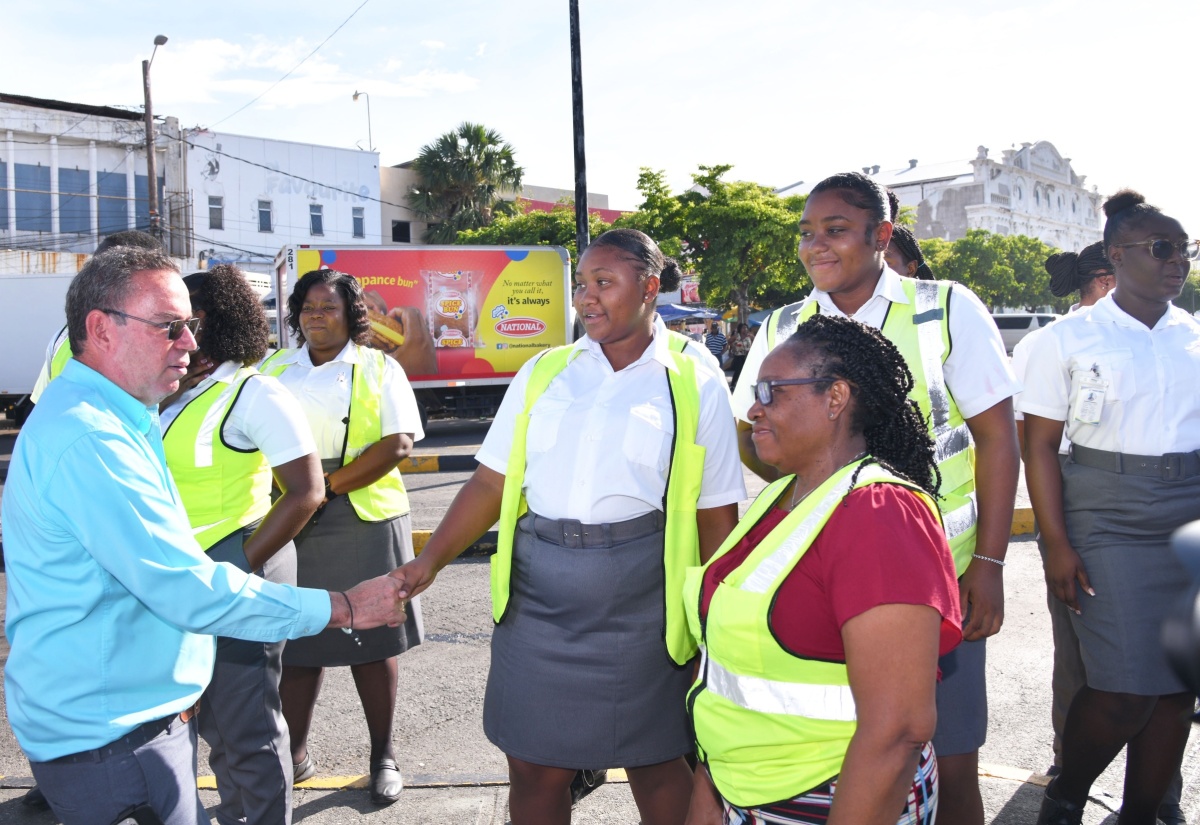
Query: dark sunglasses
x,y
764,390
174,328
1161,249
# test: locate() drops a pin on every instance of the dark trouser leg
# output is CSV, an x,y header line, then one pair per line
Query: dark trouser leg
x,y
161,773
242,721
298,689
539,795
662,792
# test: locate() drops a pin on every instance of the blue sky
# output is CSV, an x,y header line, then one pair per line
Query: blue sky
x,y
784,91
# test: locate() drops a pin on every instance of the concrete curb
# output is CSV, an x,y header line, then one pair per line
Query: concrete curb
x,y
439,464
485,546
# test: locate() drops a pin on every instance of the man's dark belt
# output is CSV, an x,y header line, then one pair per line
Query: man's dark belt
x,y
572,533
130,741
1169,467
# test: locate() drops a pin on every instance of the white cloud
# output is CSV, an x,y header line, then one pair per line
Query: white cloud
x,y
480,49
433,45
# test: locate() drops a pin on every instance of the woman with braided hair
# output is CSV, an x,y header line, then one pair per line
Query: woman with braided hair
x,y
904,255
821,618
964,385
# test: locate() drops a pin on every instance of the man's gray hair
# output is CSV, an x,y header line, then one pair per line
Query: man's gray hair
x,y
105,283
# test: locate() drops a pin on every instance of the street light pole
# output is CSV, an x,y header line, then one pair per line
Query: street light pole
x,y
151,160
370,140
582,232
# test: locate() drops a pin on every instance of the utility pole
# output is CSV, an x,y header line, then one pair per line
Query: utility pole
x,y
151,160
582,236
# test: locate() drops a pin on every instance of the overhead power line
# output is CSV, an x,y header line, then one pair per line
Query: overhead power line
x,y
297,66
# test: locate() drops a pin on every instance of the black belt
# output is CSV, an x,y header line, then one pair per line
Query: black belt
x,y
131,741
573,533
1169,467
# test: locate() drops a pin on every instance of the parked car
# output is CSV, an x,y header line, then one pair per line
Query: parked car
x,y
1014,326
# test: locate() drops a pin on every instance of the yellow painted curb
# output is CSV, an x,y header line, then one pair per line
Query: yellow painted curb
x,y
420,537
419,464
1022,522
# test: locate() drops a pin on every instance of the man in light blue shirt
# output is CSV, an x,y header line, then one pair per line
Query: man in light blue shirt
x,y
112,606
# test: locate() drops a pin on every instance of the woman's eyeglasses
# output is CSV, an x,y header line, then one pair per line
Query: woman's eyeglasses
x,y
174,328
764,390
1161,249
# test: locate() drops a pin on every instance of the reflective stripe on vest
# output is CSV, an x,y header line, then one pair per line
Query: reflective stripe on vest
x,y
223,488
920,329
770,724
386,498
62,354
681,545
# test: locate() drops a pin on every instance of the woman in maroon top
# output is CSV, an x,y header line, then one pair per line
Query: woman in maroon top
x,y
876,588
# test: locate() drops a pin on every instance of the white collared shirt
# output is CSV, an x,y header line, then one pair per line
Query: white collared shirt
x,y
599,440
264,417
1150,377
324,396
977,370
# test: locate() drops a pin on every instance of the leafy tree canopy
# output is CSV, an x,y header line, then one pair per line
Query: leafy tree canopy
x,y
553,228
463,175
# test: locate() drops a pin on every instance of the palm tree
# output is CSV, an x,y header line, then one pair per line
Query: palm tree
x,y
462,176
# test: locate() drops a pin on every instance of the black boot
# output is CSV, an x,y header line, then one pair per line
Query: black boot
x,y
1058,811
585,782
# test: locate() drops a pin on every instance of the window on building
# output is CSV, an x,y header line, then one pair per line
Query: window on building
x,y
401,232
359,221
316,219
33,197
113,208
264,217
74,211
1020,193
216,212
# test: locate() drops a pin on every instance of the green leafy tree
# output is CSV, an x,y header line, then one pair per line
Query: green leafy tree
x,y
1003,270
462,177
740,238
553,228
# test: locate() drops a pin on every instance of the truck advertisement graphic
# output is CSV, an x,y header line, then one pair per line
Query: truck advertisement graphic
x,y
456,312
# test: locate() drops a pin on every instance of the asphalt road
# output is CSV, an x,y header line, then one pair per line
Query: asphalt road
x,y
456,776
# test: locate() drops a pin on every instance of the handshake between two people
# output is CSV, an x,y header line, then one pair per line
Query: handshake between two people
x,y
375,602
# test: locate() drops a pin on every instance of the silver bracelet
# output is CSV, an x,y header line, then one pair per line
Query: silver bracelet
x,y
1000,562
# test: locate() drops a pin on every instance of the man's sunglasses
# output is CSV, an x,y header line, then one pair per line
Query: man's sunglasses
x,y
1161,249
764,390
174,328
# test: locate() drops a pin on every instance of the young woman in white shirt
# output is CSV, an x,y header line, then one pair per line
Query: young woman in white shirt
x,y
1121,380
580,676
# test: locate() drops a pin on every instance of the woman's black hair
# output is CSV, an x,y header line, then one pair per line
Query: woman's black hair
x,y
235,325
1126,209
350,290
906,244
896,433
1073,271
642,247
860,191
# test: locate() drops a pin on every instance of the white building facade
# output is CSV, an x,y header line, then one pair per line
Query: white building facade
x,y
1030,191
71,174
253,196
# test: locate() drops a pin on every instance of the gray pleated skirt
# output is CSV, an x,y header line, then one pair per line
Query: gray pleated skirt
x,y
580,676
335,551
1121,527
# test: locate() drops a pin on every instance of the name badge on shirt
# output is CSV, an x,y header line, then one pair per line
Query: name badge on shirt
x,y
1089,403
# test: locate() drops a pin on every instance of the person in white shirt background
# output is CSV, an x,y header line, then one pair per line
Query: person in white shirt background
x,y
580,676
845,232
1120,380
363,414
226,433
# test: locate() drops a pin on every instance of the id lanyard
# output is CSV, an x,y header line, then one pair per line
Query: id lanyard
x,y
1089,403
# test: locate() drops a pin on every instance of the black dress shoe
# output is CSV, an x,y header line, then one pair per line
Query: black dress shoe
x,y
585,782
34,798
386,782
1169,813
1058,811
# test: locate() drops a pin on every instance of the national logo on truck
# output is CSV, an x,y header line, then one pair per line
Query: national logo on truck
x,y
520,327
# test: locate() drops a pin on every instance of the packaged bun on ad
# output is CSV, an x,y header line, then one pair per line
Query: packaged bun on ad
x,y
450,306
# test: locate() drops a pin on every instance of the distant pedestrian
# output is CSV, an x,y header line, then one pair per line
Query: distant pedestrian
x,y
716,341
739,348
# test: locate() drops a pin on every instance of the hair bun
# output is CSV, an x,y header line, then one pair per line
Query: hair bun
x,y
1063,269
1122,200
671,275
893,204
